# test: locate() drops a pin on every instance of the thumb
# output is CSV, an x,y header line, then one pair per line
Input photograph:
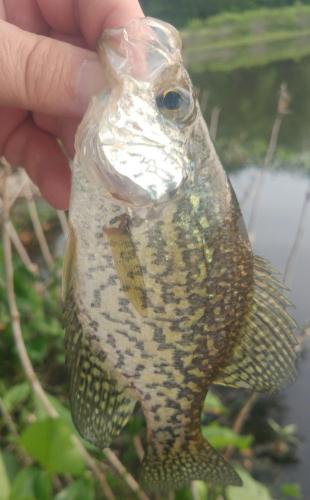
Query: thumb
x,y
42,74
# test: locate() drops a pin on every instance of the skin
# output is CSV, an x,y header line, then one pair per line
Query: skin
x,y
49,70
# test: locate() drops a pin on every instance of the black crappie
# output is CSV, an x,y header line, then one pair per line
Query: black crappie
x,y
163,296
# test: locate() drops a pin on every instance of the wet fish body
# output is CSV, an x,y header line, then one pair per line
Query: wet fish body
x,y
163,296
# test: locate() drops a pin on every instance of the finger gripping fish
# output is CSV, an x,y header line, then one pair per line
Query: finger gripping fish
x,y
162,293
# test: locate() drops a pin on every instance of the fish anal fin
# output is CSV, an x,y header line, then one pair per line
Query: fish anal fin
x,y
100,405
265,355
193,461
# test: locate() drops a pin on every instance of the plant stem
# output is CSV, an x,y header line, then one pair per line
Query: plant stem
x,y
63,221
130,480
240,421
37,226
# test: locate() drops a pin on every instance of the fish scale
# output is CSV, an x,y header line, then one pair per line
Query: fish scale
x,y
163,296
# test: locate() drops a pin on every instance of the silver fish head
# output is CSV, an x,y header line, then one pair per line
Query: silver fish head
x,y
138,132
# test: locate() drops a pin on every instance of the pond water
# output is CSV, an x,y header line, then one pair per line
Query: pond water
x,y
245,102
278,217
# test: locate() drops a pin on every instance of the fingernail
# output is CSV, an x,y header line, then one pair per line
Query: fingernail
x,y
90,81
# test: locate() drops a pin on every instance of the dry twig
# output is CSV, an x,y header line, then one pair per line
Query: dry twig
x,y
240,421
282,111
21,250
37,226
263,170
63,222
203,100
9,422
139,448
123,472
214,122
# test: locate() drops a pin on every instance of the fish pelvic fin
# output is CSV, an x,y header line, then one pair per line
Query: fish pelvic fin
x,y
175,469
100,405
264,359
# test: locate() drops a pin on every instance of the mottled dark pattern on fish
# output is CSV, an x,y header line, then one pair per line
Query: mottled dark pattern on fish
x,y
163,296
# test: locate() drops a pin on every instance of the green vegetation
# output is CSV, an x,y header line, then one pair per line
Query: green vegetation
x,y
247,98
232,40
179,12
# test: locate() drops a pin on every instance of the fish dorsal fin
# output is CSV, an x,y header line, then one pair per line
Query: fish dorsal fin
x,y
264,357
100,406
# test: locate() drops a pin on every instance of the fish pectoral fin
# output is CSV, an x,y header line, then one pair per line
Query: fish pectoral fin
x,y
195,461
100,406
128,267
264,358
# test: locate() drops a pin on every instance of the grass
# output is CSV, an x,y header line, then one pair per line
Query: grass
x,y
233,40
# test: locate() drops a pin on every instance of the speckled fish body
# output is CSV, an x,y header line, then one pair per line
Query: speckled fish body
x,y
163,296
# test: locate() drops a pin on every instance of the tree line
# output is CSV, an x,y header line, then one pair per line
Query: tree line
x,y
179,12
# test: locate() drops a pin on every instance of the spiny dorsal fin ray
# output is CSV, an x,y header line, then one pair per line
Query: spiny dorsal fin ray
x,y
100,406
171,470
265,357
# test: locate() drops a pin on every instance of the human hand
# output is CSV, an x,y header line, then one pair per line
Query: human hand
x,y
48,72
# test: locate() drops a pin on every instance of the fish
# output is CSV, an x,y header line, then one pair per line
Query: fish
x,y
163,296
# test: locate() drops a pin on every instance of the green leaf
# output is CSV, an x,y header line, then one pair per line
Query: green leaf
x,y
50,442
82,489
31,484
63,412
291,490
251,489
184,494
200,490
135,425
16,395
11,465
213,404
221,437
4,481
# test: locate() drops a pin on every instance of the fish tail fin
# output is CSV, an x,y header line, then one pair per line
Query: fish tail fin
x,y
174,469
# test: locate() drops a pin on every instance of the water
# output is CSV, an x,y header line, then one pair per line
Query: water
x,y
247,99
278,216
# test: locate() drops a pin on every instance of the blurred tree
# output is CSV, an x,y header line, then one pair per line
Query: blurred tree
x,y
179,12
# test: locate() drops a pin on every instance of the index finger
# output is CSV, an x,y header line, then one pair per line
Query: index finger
x,y
91,17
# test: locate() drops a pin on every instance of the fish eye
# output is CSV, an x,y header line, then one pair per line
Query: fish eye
x,y
171,99
175,104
